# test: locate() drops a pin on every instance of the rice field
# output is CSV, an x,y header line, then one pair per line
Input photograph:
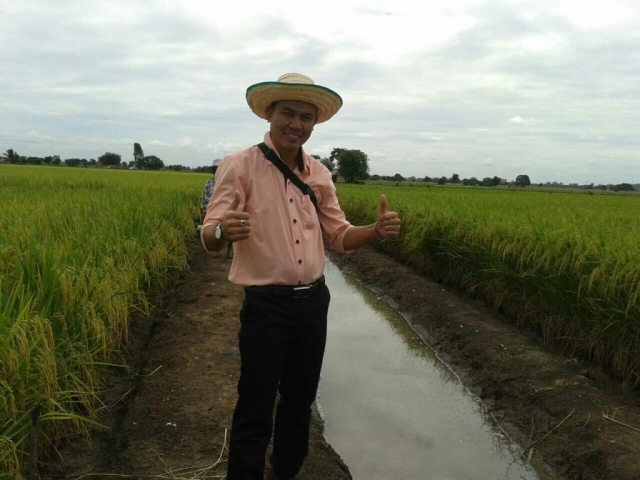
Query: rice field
x,y
567,265
81,251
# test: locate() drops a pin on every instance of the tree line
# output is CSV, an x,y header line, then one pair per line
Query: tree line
x,y
108,159
352,166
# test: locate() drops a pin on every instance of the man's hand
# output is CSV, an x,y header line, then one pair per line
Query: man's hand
x,y
235,225
388,223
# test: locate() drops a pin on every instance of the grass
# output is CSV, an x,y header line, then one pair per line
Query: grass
x,y
567,265
81,252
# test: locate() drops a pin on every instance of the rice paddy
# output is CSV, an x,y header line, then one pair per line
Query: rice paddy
x,y
83,251
565,264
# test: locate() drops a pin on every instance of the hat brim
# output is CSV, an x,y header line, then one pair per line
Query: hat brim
x,y
261,95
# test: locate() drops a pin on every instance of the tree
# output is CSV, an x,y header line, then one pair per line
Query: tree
x,y
72,162
442,180
624,187
11,156
151,163
109,159
335,153
398,178
523,181
138,154
353,164
455,178
330,164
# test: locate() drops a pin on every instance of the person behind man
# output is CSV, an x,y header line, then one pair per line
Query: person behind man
x,y
279,259
207,192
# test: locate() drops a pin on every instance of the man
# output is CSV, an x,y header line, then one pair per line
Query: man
x,y
279,259
207,192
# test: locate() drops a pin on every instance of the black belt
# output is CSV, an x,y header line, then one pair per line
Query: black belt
x,y
291,291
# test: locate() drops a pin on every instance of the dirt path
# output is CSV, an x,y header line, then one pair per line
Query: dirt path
x,y
174,409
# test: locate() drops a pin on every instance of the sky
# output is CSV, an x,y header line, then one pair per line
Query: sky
x,y
550,89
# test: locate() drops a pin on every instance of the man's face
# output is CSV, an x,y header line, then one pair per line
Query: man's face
x,y
291,124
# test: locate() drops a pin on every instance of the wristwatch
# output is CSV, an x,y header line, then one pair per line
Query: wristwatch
x,y
218,232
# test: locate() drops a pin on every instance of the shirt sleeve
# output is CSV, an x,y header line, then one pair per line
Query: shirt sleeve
x,y
332,218
228,181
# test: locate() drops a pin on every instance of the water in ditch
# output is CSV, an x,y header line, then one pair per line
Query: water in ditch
x,y
392,409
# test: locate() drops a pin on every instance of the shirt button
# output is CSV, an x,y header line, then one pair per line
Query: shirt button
x,y
291,200
295,221
297,242
299,262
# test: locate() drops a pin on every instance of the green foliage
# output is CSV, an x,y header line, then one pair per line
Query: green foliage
x,y
335,153
567,265
523,181
109,158
138,155
76,162
327,162
11,156
150,163
352,164
76,266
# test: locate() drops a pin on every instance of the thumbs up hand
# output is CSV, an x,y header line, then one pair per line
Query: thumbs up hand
x,y
236,224
388,223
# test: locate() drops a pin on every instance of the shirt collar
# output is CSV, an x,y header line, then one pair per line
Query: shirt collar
x,y
306,168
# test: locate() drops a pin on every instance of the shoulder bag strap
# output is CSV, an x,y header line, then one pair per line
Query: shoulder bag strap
x,y
286,171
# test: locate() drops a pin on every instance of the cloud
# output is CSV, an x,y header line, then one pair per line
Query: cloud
x,y
36,137
522,122
426,88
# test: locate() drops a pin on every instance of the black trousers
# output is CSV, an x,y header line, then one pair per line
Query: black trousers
x,y
282,344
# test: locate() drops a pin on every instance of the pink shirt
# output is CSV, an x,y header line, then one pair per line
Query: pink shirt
x,y
285,245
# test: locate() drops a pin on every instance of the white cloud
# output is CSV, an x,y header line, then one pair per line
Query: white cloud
x,y
35,136
522,122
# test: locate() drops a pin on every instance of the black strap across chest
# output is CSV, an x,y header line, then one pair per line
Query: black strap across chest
x,y
286,171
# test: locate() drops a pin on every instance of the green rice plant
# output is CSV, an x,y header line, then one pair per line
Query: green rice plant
x,y
567,265
82,252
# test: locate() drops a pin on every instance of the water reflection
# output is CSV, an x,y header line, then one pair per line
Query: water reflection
x,y
392,409
414,344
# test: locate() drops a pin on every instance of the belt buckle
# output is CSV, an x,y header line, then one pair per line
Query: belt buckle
x,y
302,291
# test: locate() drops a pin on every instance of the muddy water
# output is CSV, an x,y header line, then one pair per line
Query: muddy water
x,y
392,410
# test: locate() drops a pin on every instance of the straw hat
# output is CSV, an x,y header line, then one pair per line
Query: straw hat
x,y
293,86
